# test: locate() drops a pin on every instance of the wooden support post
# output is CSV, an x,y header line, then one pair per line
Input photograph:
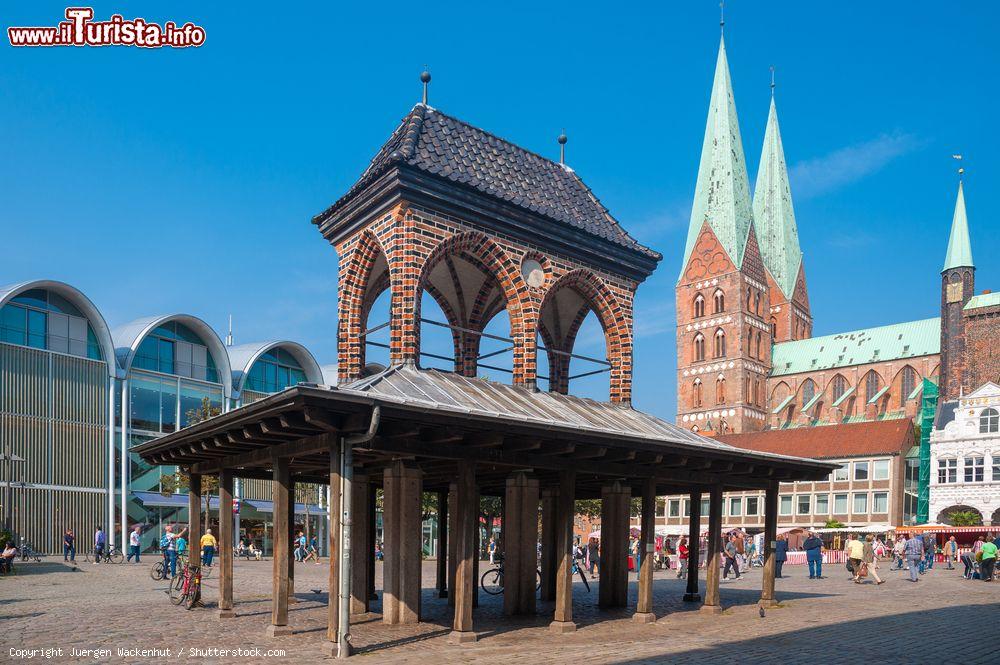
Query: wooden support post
x,y
694,546
563,617
402,527
442,548
226,545
455,529
477,548
466,542
613,589
521,536
279,569
549,563
373,530
194,520
292,539
333,542
644,606
362,544
712,572
770,536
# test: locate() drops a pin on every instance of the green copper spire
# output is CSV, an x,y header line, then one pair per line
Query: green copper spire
x,y
773,214
722,194
959,245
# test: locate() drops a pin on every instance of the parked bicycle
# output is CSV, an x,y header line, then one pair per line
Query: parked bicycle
x,y
110,555
186,588
27,552
492,580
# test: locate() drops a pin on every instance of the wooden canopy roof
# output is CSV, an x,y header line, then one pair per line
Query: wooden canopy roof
x,y
433,419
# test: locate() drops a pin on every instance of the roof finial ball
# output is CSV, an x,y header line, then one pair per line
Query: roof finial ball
x,y
425,78
562,147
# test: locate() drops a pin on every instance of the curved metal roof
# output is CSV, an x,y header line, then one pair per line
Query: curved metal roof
x,y
128,337
82,302
243,357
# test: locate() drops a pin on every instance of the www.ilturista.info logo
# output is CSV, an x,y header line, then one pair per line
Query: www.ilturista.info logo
x,y
81,30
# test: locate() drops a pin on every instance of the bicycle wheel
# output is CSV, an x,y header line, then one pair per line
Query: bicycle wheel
x,y
492,581
116,556
156,572
538,579
177,593
194,594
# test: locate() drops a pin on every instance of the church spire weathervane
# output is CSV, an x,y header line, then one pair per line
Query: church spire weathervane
x,y
722,17
961,170
772,81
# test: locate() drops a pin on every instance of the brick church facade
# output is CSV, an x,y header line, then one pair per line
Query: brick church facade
x,y
747,360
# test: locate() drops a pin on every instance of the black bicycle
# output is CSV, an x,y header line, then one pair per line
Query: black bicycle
x,y
492,580
28,553
110,555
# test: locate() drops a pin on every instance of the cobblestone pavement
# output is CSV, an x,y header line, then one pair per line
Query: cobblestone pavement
x,y
943,617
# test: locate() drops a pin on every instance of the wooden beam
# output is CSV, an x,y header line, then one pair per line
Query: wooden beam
x,y
309,445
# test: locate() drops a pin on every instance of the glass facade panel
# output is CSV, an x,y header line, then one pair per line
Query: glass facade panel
x,y
147,355
13,325
822,504
861,470
860,503
168,405
841,473
880,501
735,506
752,505
165,356
191,398
839,504
785,505
144,402
36,329
880,469
803,504
675,508
274,371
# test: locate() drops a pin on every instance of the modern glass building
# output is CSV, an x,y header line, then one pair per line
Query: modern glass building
x,y
71,391
57,388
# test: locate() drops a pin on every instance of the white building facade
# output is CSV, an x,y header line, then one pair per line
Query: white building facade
x,y
965,458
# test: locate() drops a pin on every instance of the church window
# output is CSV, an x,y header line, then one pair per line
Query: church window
x,y
697,393
909,382
759,354
720,301
989,421
746,392
808,391
720,390
749,297
871,386
760,392
699,347
774,328
756,303
839,387
699,306
720,343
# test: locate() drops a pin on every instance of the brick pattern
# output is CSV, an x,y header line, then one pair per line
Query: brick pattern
x,y
413,241
982,353
953,355
725,390
790,318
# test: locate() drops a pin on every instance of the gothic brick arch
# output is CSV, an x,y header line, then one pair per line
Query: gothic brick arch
x,y
364,275
861,389
899,388
779,393
559,319
481,280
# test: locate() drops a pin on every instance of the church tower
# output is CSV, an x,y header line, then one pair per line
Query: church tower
x,y
958,281
788,315
723,339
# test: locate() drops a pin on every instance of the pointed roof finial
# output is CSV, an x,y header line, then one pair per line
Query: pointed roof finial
x,y
772,81
961,170
722,17
562,147
425,78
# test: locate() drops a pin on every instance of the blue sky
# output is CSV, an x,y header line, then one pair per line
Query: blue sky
x,y
160,181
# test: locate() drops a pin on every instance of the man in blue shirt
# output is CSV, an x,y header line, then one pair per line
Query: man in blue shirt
x,y
813,546
99,542
914,553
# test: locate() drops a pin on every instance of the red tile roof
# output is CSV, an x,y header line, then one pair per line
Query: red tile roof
x,y
884,437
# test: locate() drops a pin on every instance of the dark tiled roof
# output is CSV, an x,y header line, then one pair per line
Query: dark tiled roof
x,y
881,437
445,147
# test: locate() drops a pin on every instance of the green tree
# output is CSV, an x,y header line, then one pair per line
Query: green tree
x,y
180,480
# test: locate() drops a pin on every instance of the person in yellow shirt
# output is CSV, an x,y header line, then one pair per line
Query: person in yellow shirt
x,y
208,544
856,553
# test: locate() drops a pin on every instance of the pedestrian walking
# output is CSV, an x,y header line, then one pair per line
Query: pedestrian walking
x,y
730,551
871,559
682,558
69,546
927,562
133,543
780,554
99,543
493,550
914,552
898,552
988,560
951,552
813,545
208,545
593,556
855,554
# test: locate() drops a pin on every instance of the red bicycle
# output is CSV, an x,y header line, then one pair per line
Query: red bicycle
x,y
186,588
